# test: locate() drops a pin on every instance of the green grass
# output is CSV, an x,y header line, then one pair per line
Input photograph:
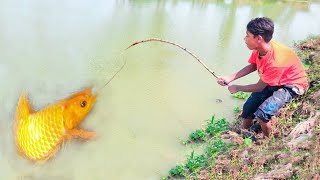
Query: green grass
x,y
210,137
216,126
236,109
178,171
212,128
193,162
247,142
198,135
241,95
216,146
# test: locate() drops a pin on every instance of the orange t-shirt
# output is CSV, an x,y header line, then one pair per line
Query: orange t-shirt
x,y
280,66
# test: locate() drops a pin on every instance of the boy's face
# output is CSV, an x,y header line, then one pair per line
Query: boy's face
x,y
251,41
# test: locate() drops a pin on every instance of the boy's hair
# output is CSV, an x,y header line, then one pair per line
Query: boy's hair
x,y
261,26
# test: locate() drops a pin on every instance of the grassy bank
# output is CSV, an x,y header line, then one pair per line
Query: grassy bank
x,y
293,152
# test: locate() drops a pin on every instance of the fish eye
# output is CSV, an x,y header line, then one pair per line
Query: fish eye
x,y
83,103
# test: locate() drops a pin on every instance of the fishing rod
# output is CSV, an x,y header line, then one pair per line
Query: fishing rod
x,y
168,42
183,48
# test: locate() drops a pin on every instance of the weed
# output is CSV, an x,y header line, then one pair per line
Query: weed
x,y
184,142
216,126
198,135
216,147
236,109
293,105
195,162
306,66
295,177
247,142
241,95
179,170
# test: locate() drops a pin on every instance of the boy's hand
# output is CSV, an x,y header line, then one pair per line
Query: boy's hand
x,y
233,89
223,81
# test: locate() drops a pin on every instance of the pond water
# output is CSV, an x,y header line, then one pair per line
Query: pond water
x,y
52,49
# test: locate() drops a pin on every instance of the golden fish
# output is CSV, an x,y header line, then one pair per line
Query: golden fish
x,y
38,135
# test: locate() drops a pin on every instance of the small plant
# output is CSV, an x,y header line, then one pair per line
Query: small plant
x,y
195,162
184,142
294,105
247,142
213,128
179,170
295,177
306,65
217,146
199,135
236,109
241,95
216,126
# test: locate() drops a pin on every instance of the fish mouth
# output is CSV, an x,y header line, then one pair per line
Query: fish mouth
x,y
93,95
94,98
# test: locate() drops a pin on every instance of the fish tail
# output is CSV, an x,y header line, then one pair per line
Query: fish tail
x,y
22,111
23,108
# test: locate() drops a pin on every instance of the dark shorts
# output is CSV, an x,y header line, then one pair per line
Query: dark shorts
x,y
267,103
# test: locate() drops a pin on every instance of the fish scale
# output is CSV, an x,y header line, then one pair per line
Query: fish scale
x,y
38,135
45,134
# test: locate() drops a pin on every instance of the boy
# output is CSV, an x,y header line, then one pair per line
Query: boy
x,y
282,76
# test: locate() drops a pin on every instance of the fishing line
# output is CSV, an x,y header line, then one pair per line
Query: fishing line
x,y
105,84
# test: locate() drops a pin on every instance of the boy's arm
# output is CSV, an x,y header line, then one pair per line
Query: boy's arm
x,y
259,86
243,72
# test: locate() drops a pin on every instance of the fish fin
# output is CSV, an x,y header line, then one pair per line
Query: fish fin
x,y
80,133
23,107
23,110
